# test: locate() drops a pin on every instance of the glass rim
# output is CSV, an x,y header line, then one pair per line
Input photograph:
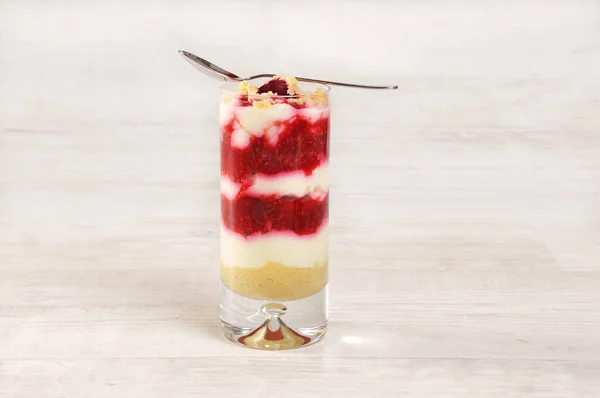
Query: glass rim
x,y
224,90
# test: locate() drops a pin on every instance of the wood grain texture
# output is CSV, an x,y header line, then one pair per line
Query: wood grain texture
x,y
465,247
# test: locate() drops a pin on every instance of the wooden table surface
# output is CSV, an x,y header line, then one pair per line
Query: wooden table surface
x,y
465,210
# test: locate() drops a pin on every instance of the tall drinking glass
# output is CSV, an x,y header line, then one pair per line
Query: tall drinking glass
x,y
274,216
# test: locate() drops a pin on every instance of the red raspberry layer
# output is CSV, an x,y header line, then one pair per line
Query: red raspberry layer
x,y
249,215
302,145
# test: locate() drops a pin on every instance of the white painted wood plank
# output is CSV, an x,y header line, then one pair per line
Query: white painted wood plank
x,y
252,376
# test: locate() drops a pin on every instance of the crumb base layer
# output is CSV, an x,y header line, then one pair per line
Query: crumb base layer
x,y
275,281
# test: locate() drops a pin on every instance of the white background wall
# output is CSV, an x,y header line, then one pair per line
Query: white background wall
x,y
116,61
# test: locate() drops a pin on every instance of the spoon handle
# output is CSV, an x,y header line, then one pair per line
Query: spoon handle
x,y
305,79
308,80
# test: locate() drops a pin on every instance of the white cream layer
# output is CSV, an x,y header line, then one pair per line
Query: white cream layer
x,y
292,183
286,248
255,121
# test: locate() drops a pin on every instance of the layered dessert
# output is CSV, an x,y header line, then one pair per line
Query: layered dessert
x,y
274,190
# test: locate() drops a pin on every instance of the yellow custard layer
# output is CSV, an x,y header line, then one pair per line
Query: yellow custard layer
x,y
275,281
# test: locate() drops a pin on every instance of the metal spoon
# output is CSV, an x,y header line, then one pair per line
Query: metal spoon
x,y
219,73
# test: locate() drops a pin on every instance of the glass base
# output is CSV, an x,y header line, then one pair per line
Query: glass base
x,y
271,325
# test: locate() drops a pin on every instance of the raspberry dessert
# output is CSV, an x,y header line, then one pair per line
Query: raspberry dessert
x,y
274,190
